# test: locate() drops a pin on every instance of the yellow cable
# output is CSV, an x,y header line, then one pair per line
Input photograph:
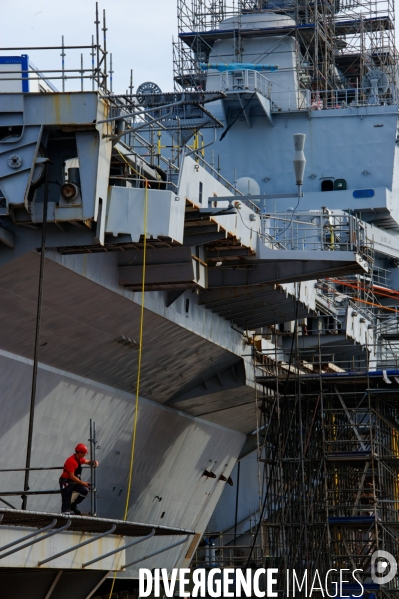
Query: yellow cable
x,y
140,350
136,413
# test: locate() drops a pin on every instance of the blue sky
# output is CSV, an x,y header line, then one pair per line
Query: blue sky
x,y
139,35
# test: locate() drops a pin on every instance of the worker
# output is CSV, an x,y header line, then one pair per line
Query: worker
x,y
73,489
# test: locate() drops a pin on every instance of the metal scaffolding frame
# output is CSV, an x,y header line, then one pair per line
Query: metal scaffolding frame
x,y
338,41
330,485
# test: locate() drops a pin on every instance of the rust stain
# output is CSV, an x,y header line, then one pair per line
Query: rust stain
x,y
57,107
193,546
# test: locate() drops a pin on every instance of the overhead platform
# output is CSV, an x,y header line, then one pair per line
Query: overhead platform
x,y
245,102
355,376
205,39
60,556
285,266
349,457
86,524
175,267
360,521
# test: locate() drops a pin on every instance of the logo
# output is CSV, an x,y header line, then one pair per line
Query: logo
x,y
383,567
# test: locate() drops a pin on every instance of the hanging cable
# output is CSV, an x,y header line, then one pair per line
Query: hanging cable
x,y
140,353
37,338
136,411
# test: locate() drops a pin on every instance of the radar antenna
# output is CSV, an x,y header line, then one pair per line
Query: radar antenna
x,y
375,83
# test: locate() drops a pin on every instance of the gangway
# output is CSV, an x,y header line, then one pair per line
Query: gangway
x,y
65,555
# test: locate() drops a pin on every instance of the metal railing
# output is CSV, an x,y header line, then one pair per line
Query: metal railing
x,y
216,175
22,494
305,99
288,100
246,80
343,98
312,231
93,64
93,477
223,551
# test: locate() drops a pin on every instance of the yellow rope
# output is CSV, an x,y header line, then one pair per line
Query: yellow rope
x,y
136,413
140,350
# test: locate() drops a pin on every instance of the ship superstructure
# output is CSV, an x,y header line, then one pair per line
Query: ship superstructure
x,y
115,258
327,403
157,248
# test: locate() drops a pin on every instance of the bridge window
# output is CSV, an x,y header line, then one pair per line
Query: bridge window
x,y
339,184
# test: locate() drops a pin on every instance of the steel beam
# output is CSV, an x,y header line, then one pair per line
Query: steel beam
x,y
233,377
53,584
7,237
255,307
237,303
215,297
98,585
141,559
327,341
32,534
206,229
202,238
136,542
253,298
269,317
251,198
351,422
302,268
20,493
104,534
50,534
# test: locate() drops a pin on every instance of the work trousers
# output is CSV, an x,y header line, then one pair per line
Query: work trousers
x,y
71,493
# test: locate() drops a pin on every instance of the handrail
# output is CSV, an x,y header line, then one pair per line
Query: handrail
x,y
22,493
218,176
335,99
246,80
355,96
24,469
157,181
310,231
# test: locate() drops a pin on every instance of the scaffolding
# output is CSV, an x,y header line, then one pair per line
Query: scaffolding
x,y
328,445
327,423
341,44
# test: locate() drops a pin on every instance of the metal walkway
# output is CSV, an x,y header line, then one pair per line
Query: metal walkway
x,y
86,524
63,555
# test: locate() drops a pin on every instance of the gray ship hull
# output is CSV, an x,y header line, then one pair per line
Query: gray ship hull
x,y
78,381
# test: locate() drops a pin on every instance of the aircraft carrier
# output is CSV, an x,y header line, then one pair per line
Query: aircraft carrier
x,y
219,323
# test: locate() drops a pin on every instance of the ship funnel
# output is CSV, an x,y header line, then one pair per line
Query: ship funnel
x,y
299,157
